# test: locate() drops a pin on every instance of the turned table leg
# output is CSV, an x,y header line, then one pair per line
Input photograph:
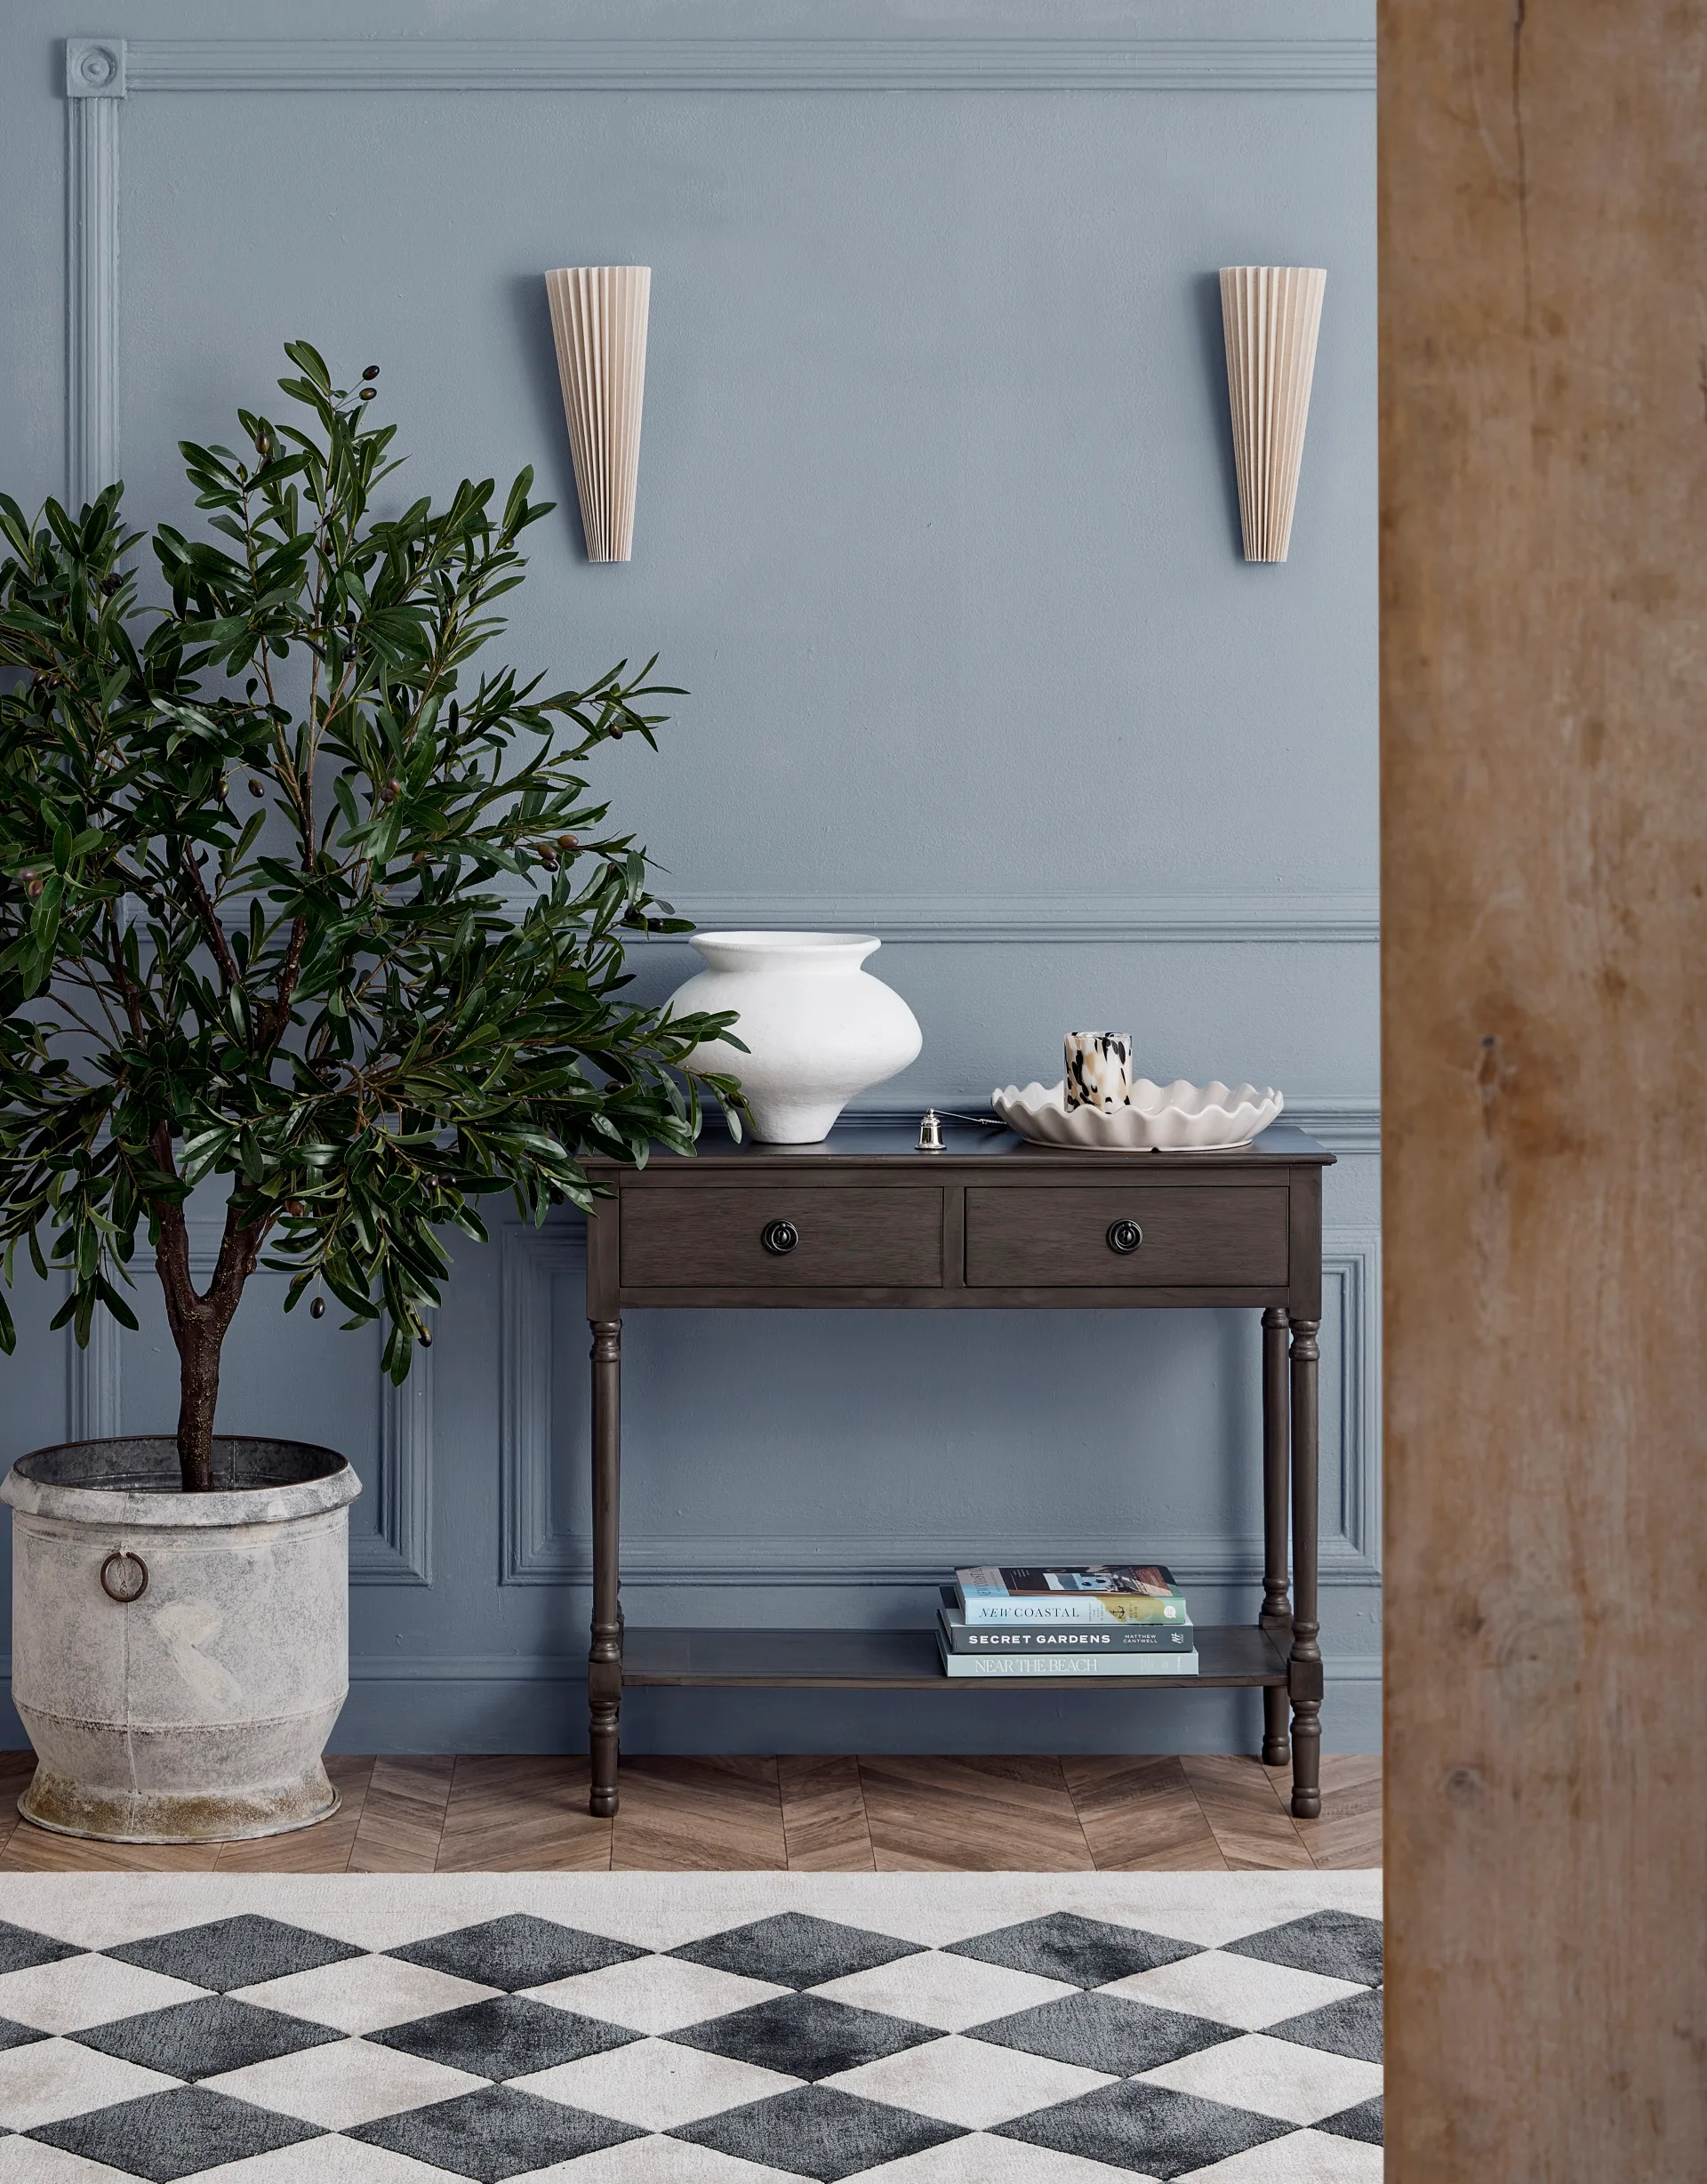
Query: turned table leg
x,y
1276,1618
604,1660
1304,1675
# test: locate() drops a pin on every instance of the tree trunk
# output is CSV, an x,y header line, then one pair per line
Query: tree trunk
x,y
198,1385
198,1323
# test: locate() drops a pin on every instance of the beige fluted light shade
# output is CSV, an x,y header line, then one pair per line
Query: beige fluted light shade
x,y
1271,314
598,320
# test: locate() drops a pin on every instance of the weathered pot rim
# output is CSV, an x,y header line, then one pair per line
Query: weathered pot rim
x,y
309,1480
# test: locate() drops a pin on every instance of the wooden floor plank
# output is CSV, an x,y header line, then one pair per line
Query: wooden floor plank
x,y
1250,1827
1140,1815
1349,1833
34,1850
515,1814
523,1815
16,1768
972,1815
403,1816
823,1815
700,1816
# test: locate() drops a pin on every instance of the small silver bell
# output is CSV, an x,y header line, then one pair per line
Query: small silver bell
x,y
930,1132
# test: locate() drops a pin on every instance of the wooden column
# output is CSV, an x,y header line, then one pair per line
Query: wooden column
x,y
1543,271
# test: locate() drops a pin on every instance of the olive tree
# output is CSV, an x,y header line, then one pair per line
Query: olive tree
x,y
300,898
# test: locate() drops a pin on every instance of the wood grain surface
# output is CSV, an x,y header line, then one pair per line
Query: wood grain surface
x,y
1236,1234
846,1237
1543,477
795,1814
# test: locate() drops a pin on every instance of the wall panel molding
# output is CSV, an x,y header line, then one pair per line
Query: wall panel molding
x,y
95,80
1351,1290
1345,1123
532,1549
95,1393
539,1550
398,1550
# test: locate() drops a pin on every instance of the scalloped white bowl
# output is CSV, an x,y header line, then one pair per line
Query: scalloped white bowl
x,y
1175,1118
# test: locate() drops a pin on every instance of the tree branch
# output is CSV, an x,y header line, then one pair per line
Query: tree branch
x,y
274,1017
128,993
239,1248
209,916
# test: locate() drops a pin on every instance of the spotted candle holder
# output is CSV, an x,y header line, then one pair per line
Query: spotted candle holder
x,y
1099,1071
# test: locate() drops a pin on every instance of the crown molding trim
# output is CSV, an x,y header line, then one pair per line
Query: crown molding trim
x,y
971,60
1278,917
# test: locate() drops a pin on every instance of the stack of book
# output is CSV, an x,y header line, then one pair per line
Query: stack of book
x,y
1107,1620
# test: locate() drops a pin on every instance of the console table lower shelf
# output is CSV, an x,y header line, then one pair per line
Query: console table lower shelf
x,y
1233,1656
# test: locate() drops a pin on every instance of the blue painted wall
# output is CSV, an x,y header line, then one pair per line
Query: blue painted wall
x,y
937,523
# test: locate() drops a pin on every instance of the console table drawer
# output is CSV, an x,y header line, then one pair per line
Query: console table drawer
x,y
783,1236
1096,1237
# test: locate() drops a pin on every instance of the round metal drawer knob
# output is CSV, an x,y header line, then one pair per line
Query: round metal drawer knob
x,y
123,1576
780,1237
1124,1237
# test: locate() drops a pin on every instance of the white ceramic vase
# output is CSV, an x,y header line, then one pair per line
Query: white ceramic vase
x,y
179,1659
817,1028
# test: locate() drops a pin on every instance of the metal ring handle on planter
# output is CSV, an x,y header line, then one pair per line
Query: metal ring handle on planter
x,y
779,1238
123,1576
1124,1237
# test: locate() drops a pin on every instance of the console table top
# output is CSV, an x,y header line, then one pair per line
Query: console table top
x,y
885,1142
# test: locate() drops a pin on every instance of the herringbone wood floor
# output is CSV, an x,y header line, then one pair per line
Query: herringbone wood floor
x,y
482,1815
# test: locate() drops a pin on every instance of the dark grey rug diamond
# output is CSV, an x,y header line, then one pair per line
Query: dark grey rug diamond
x,y
20,1949
516,1952
201,2038
1336,1943
804,2035
818,2131
165,2136
505,2037
1363,2122
1147,2128
236,1951
1087,1952
792,1950
493,2134
1104,2032
1350,2026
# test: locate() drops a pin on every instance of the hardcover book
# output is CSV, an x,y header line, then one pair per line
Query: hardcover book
x,y
1100,1592
987,1638
1018,1666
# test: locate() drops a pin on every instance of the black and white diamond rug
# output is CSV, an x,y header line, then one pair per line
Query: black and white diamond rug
x,y
690,2028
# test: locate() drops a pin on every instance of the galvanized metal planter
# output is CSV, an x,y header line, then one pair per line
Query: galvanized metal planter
x,y
179,1659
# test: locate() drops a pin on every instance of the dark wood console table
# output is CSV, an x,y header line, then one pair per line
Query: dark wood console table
x,y
866,1220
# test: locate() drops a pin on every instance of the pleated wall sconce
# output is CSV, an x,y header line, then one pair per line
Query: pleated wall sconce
x,y
1271,316
598,320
